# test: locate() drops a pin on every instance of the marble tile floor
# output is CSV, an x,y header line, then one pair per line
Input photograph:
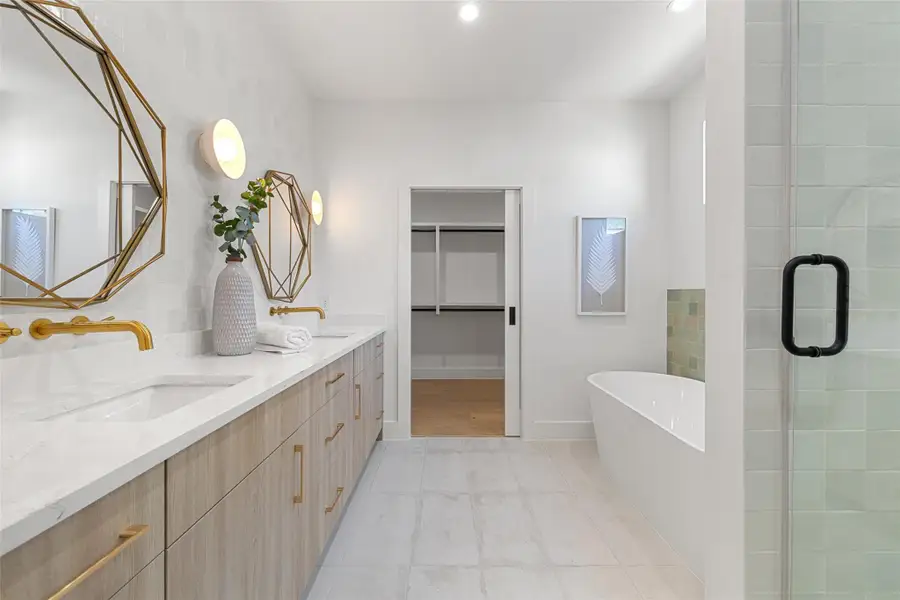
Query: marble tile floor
x,y
495,519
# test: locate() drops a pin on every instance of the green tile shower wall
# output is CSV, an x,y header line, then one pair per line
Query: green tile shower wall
x,y
686,333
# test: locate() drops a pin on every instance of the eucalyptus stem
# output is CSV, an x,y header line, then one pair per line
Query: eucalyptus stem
x,y
239,229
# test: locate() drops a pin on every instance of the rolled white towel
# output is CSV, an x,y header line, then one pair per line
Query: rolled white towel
x,y
283,336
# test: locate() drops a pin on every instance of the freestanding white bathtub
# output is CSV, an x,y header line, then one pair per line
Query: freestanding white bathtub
x,y
650,436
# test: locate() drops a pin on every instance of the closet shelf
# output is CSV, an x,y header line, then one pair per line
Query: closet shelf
x,y
459,227
459,308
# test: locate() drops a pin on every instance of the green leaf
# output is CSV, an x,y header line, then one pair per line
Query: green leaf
x,y
243,253
242,211
219,229
230,235
242,226
246,195
224,247
254,216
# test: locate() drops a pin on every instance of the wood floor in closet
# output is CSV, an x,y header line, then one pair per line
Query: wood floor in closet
x,y
457,407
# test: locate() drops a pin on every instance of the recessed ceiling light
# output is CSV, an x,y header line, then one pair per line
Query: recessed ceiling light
x,y
469,12
677,6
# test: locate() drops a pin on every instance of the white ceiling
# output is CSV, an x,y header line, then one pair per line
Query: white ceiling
x,y
516,51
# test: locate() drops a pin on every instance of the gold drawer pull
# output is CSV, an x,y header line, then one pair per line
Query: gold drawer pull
x,y
329,509
335,434
358,412
380,376
381,414
126,538
298,449
335,380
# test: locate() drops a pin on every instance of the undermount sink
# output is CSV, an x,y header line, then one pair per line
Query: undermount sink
x,y
149,399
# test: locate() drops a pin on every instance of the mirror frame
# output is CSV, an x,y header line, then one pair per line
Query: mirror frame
x,y
117,80
287,288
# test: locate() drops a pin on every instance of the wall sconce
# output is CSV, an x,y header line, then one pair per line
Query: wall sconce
x,y
223,149
316,207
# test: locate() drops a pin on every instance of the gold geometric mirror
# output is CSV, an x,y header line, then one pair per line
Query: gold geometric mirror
x,y
282,243
82,162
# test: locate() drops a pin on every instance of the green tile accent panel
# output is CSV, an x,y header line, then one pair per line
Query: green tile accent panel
x,y
686,333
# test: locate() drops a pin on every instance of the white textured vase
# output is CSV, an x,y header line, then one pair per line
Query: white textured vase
x,y
234,315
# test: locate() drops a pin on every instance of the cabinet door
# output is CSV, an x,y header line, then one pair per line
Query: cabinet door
x,y
299,548
362,410
235,551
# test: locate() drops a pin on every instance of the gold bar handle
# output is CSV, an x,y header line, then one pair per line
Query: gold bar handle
x,y
380,415
380,376
298,449
330,438
126,538
330,509
358,412
335,380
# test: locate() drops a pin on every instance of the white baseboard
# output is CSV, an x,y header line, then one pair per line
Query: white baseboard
x,y
559,430
459,373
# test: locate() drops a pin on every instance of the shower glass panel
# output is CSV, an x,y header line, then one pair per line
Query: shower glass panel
x,y
845,409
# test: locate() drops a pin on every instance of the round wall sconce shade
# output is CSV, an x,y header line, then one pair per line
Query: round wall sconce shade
x,y
316,207
223,149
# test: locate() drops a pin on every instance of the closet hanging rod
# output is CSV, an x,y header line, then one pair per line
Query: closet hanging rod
x,y
458,308
459,227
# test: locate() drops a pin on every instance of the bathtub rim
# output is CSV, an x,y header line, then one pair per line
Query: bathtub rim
x,y
591,379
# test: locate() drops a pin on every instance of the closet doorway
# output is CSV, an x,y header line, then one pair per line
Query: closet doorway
x,y
464,279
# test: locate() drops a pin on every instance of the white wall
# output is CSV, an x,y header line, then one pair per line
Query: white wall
x,y
686,212
599,159
187,60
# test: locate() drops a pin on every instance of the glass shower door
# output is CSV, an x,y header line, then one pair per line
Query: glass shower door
x,y
844,470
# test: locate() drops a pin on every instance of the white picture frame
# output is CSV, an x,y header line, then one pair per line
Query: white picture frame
x,y
601,264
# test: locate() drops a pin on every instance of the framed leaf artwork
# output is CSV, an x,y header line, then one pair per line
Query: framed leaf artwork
x,y
27,244
601,244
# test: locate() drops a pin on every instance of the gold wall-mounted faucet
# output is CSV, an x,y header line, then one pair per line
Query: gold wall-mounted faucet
x,y
7,332
284,310
41,329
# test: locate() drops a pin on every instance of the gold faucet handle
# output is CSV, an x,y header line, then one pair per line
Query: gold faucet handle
x,y
81,319
7,332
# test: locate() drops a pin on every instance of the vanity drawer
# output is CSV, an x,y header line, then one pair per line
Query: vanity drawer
x,y
200,475
379,345
94,552
338,375
149,584
365,355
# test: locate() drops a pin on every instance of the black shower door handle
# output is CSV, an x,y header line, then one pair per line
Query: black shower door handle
x,y
842,320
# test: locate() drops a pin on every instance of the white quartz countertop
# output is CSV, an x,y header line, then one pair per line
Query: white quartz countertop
x,y
52,469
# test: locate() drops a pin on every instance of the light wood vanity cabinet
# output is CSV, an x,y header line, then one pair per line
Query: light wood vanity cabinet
x,y
88,553
264,537
246,512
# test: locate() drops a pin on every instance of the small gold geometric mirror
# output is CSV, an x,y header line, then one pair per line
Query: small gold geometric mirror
x,y
82,162
283,240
